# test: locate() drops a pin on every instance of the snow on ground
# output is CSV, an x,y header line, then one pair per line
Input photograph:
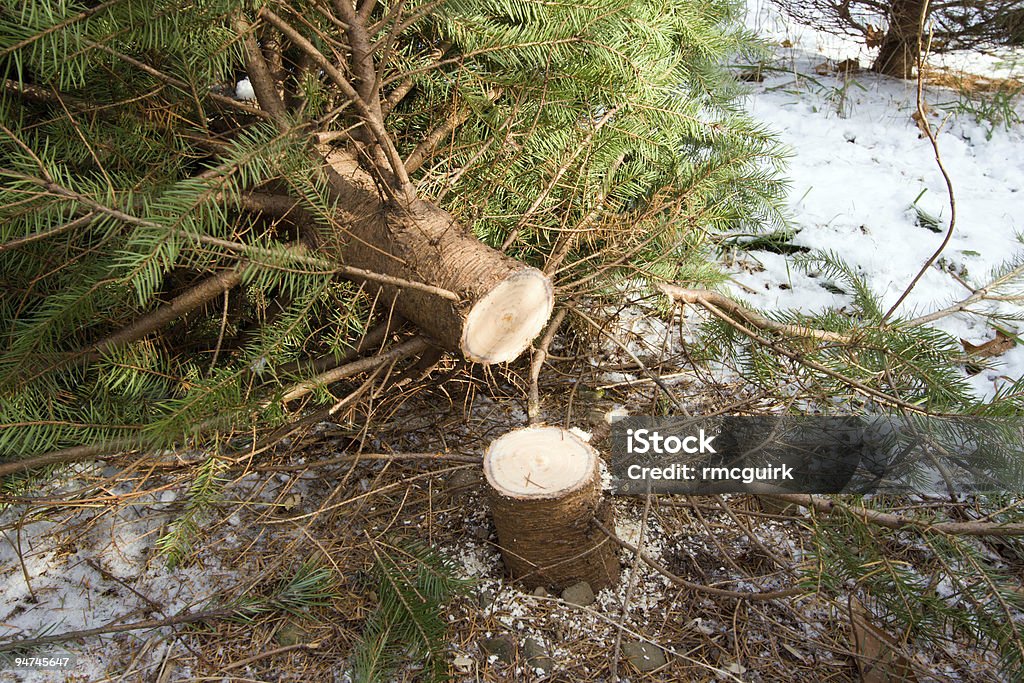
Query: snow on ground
x,y
858,165
90,561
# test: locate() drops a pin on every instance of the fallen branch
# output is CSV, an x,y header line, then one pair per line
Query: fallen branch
x,y
868,391
647,371
633,575
899,522
403,350
196,296
703,297
187,618
374,337
67,455
983,294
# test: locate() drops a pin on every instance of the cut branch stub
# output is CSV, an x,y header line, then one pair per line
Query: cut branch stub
x,y
545,493
504,303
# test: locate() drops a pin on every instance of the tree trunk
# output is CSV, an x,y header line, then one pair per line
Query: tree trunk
x,y
503,304
897,55
545,493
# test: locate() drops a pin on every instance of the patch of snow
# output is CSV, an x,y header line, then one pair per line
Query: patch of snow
x,y
244,91
860,163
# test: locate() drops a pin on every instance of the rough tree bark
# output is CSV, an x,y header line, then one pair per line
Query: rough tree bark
x,y
503,303
898,53
545,495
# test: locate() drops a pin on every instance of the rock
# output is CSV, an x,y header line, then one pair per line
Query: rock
x,y
540,592
537,656
501,647
487,598
644,656
580,594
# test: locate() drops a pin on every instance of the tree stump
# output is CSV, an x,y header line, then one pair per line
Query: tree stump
x,y
545,492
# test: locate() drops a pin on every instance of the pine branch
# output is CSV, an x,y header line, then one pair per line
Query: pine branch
x,y
260,76
540,354
178,83
250,251
899,522
198,295
707,299
67,456
431,140
181,618
403,350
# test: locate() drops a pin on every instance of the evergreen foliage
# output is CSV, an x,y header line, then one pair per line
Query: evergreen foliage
x,y
925,587
928,587
603,141
413,585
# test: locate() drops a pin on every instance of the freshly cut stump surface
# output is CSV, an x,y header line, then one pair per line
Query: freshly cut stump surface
x,y
545,493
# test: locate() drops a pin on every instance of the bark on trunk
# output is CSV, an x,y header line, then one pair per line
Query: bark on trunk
x,y
503,303
897,55
545,493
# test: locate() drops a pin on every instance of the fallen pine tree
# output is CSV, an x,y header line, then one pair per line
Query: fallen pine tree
x,y
206,208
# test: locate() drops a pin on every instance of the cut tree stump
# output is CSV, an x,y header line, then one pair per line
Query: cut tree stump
x,y
503,303
545,493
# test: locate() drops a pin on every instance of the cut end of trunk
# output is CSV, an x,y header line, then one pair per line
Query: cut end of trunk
x,y
538,463
502,324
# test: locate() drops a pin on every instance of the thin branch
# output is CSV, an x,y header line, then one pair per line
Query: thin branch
x,y
633,575
702,297
313,645
362,65
373,338
707,590
373,120
557,175
425,149
205,291
923,122
647,371
540,354
568,238
178,83
403,350
396,96
67,455
260,76
899,522
983,294
871,392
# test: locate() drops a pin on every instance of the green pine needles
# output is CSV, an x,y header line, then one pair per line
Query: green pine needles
x,y
414,583
929,588
165,253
